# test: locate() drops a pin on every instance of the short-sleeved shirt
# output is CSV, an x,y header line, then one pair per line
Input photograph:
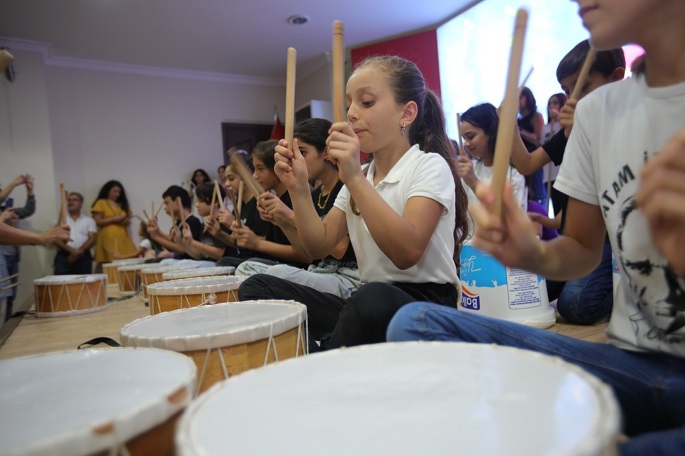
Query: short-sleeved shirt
x,y
416,174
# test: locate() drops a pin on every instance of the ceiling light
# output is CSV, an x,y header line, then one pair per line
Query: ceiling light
x,y
298,20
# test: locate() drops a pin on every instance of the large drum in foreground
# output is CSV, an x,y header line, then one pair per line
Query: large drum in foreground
x,y
64,295
186,293
406,399
118,401
225,339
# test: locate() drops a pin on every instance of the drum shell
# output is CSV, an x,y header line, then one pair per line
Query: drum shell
x,y
152,387
219,355
178,294
110,269
70,295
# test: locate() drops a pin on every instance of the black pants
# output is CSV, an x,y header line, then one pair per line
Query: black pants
x,y
361,319
83,265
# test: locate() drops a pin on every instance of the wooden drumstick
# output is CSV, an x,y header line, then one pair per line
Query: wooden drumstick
x,y
241,189
290,97
338,73
16,284
236,211
462,151
145,214
584,71
62,219
159,209
217,192
241,168
525,80
211,209
505,131
152,208
9,277
179,206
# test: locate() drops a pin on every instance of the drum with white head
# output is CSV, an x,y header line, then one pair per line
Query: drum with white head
x,y
407,399
110,269
64,295
152,273
129,278
185,293
225,339
121,401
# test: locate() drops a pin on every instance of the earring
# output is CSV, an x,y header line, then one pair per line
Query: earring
x,y
402,129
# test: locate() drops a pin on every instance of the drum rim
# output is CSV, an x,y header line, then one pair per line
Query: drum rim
x,y
211,272
175,287
70,279
156,269
131,267
150,413
228,338
604,431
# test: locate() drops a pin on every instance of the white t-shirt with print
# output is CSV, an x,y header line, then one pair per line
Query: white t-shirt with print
x,y
616,128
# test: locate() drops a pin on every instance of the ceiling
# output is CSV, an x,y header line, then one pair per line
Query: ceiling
x,y
233,37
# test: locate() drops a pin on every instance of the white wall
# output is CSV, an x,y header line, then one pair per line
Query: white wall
x,y
84,125
25,146
315,84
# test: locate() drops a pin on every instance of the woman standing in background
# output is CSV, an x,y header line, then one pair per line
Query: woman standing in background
x,y
112,214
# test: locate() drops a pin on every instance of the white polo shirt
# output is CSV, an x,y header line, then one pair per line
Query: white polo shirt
x,y
415,174
80,229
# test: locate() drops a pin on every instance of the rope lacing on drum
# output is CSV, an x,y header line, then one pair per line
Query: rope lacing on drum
x,y
271,343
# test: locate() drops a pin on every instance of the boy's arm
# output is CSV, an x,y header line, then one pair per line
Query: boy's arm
x,y
526,162
513,241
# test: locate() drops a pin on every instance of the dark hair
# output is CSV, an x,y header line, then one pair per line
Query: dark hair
x,y
605,61
428,129
205,192
313,132
560,97
265,151
176,191
77,194
218,169
484,116
104,192
204,174
531,104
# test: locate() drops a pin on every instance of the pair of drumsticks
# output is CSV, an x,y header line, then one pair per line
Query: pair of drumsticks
x,y
152,211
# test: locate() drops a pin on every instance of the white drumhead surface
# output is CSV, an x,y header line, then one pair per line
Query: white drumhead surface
x,y
51,403
405,399
200,272
117,263
196,285
217,325
69,278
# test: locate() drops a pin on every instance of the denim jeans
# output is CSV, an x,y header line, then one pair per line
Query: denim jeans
x,y
589,299
650,387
